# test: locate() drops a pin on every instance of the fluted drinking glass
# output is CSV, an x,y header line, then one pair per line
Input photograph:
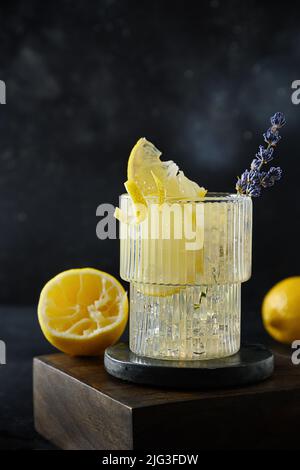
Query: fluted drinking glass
x,y
185,263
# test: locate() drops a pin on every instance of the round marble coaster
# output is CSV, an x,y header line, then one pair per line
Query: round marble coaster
x,y
253,363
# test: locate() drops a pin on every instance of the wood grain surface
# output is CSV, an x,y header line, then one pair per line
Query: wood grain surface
x,y
79,406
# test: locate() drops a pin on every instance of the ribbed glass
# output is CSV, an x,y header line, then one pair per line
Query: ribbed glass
x,y
192,323
185,292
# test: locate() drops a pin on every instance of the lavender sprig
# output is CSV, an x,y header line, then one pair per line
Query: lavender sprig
x,y
252,181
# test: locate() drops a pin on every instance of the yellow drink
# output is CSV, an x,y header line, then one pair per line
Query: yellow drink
x,y
185,263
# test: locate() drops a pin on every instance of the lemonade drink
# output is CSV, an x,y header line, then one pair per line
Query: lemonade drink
x,y
185,293
185,253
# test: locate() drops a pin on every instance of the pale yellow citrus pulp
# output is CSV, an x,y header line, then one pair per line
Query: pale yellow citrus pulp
x,y
82,311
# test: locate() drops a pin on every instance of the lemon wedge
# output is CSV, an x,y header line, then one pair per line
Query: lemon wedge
x,y
138,200
155,177
153,182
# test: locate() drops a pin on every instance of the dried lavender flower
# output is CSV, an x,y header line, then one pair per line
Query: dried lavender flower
x,y
248,182
252,181
278,120
268,179
265,155
272,136
253,190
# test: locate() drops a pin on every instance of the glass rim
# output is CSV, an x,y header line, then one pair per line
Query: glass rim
x,y
209,197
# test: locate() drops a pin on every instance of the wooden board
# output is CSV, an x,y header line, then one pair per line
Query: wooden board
x,y
77,405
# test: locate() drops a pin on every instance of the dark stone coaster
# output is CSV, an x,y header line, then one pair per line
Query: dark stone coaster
x,y
253,363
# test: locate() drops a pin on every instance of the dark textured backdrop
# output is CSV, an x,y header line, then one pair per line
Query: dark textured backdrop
x,y
86,79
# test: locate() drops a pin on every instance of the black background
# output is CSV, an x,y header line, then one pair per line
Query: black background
x,y
86,79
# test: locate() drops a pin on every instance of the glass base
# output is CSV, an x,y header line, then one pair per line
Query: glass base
x,y
185,322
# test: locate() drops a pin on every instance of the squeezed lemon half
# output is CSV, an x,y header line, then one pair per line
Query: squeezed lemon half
x,y
82,311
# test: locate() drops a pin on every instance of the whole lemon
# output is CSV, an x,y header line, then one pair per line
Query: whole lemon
x,y
281,310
